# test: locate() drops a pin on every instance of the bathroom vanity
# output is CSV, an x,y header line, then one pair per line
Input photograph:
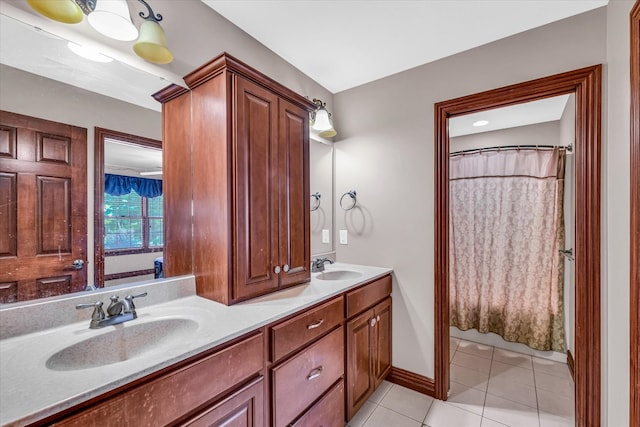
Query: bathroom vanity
x,y
311,353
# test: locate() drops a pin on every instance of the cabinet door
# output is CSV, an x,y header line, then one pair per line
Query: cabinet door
x,y
360,383
382,350
245,408
256,206
295,255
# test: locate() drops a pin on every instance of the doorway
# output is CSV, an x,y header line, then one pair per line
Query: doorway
x,y
586,85
146,243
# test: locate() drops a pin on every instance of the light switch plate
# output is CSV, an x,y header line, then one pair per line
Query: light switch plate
x,y
325,236
343,237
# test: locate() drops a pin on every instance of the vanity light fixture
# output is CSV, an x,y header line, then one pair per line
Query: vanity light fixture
x,y
88,53
149,173
480,123
152,44
66,11
111,18
321,120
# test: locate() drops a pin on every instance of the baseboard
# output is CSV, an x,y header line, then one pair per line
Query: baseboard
x,y
571,364
411,380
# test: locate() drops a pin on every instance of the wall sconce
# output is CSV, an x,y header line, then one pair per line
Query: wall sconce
x,y
111,18
321,120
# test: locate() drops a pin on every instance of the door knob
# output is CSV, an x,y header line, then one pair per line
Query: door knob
x,y
77,264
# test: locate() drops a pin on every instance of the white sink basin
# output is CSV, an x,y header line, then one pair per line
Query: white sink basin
x,y
123,342
339,275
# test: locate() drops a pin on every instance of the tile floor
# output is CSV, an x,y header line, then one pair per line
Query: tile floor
x,y
490,387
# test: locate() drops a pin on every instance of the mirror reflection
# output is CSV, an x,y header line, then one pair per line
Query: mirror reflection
x,y
321,189
28,91
512,224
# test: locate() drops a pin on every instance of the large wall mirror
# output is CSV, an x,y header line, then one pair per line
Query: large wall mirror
x,y
41,78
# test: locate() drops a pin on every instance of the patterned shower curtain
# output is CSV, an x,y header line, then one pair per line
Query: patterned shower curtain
x,y
507,227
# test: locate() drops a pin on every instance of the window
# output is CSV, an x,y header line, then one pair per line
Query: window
x,y
132,223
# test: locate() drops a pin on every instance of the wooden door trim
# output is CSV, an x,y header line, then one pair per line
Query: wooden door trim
x,y
586,84
98,194
634,315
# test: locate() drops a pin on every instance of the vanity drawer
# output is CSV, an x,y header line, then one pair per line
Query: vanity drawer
x,y
368,295
299,381
292,334
163,400
327,412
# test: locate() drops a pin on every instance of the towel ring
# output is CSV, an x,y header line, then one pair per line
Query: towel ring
x,y
316,203
354,200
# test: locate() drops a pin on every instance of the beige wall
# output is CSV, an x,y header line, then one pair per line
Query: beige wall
x,y
615,216
385,152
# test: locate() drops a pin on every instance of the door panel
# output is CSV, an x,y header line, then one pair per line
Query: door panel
x,y
256,204
43,217
382,358
294,194
359,346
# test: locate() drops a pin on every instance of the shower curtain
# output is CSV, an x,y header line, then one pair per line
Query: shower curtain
x,y
506,230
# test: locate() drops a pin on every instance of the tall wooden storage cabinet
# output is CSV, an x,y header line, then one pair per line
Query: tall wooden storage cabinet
x,y
248,148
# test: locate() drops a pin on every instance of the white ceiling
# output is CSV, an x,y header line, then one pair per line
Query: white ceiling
x,y
343,44
542,111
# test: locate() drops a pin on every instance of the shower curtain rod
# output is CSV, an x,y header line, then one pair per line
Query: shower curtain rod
x,y
569,148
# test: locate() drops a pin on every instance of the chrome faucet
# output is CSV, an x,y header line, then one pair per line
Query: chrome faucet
x,y
119,311
318,264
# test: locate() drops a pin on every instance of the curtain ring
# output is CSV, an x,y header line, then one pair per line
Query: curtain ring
x,y
354,199
316,203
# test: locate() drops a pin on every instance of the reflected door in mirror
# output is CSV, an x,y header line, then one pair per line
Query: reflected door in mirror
x,y
43,208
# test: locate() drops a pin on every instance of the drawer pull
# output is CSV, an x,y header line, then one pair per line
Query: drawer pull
x,y
315,373
315,325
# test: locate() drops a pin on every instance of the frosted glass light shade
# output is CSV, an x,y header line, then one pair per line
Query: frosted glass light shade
x,y
321,122
111,18
330,133
152,44
66,11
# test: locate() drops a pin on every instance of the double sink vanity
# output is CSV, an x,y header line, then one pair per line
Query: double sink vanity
x,y
247,330
294,357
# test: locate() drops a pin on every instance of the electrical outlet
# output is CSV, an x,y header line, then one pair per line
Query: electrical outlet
x,y
343,237
325,236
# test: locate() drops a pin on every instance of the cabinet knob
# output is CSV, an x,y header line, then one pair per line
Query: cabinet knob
x,y
277,269
378,318
285,268
315,373
372,322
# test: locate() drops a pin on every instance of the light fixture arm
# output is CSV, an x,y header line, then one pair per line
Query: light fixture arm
x,y
150,16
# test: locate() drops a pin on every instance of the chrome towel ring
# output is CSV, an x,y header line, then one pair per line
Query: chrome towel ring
x,y
316,203
354,200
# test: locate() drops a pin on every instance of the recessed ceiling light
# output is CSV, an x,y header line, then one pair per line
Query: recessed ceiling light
x,y
481,123
88,53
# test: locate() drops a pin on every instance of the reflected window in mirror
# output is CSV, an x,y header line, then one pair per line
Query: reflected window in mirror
x,y
132,223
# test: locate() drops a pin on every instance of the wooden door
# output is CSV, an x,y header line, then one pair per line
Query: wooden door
x,y
294,234
43,207
382,341
256,205
360,383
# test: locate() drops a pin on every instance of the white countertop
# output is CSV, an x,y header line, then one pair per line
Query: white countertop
x,y
30,391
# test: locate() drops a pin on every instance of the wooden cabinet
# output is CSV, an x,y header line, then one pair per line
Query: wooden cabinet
x,y
247,143
170,397
244,408
307,376
368,342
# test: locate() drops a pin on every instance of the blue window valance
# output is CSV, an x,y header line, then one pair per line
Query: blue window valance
x,y
118,185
